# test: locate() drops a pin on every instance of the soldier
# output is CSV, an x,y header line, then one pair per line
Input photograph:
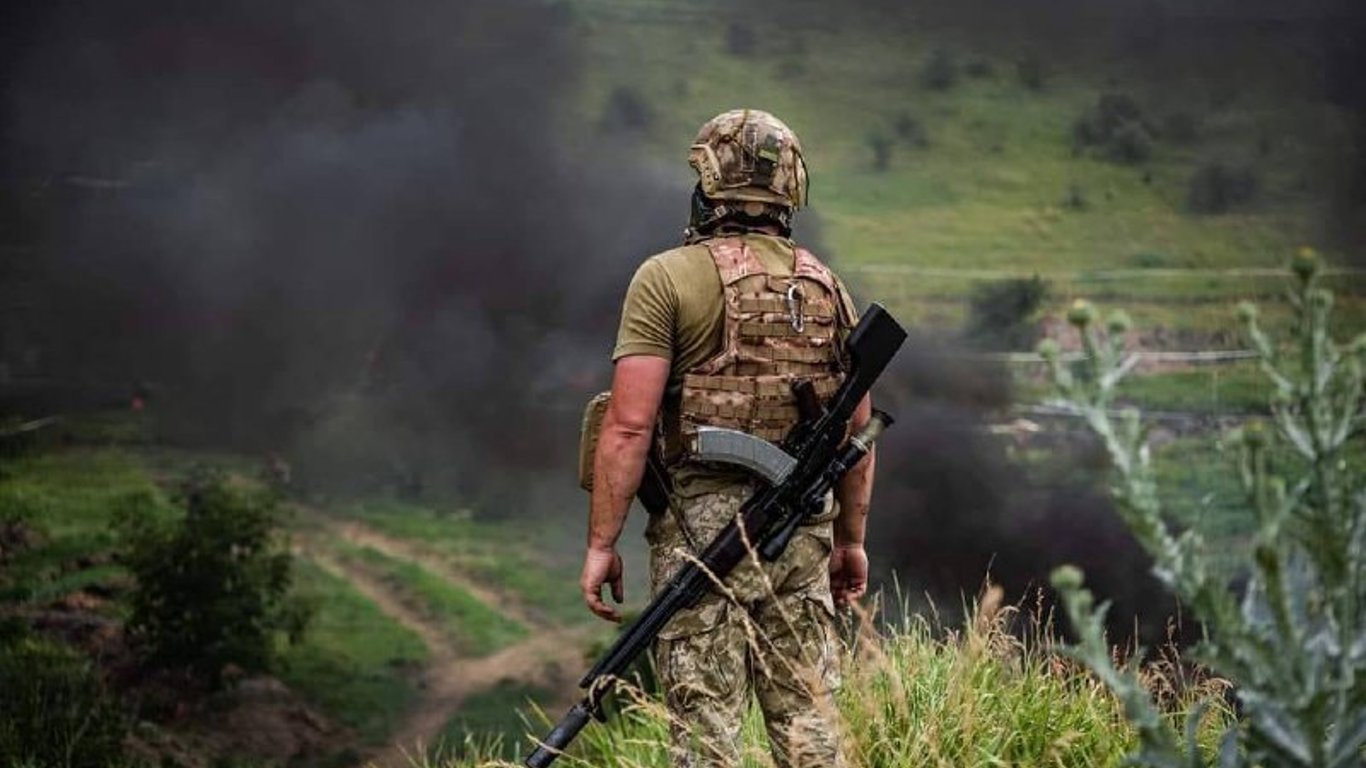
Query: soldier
x,y
714,333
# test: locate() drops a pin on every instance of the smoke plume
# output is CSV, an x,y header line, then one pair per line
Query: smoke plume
x,y
351,231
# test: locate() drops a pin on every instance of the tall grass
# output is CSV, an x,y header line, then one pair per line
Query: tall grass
x,y
916,695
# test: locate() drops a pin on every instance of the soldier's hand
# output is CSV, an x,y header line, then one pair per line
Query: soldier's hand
x,y
848,573
602,566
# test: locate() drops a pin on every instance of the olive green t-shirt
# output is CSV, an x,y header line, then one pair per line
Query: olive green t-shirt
x,y
675,309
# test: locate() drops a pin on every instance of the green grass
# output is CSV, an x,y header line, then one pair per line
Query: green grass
x,y
491,722
989,190
525,557
1214,389
475,628
355,663
920,696
71,498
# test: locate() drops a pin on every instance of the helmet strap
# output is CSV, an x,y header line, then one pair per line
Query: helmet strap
x,y
708,215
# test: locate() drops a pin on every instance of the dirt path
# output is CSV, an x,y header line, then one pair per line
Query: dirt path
x,y
551,657
362,535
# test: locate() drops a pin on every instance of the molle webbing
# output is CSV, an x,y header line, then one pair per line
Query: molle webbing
x,y
777,330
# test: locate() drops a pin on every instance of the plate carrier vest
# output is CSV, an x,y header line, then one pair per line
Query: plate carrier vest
x,y
778,329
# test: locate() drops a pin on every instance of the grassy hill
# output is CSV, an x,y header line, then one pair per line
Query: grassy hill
x,y
980,169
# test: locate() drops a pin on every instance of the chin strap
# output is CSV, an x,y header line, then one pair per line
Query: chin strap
x,y
708,216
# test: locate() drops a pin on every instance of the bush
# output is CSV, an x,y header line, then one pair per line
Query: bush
x,y
1219,187
1115,130
940,72
910,130
1294,643
626,111
1001,314
212,587
55,711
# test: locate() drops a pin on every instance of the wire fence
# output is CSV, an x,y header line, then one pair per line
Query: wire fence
x,y
1085,275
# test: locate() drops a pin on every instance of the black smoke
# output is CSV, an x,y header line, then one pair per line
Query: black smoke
x,y
362,235
959,501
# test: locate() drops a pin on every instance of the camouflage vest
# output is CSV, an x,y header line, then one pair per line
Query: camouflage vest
x,y
778,329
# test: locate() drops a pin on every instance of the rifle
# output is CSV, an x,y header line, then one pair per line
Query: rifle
x,y
811,461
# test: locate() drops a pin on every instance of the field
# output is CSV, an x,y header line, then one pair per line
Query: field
x,y
440,629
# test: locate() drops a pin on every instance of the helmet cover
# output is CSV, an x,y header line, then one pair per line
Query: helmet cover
x,y
749,155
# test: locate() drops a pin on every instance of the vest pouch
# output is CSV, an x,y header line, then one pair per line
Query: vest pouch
x,y
589,430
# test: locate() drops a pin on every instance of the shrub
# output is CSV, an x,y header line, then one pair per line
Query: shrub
x,y
1295,643
910,130
1218,187
212,587
1001,313
55,711
940,72
1131,143
1114,129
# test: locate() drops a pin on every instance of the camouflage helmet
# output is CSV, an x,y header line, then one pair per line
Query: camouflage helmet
x,y
749,155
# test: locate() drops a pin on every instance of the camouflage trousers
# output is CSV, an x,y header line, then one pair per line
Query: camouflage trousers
x,y
771,633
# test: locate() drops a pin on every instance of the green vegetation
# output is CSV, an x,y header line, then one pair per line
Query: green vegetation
x,y
55,711
67,501
916,697
1292,643
1003,314
1212,390
211,587
355,663
475,628
1001,186
492,553
490,723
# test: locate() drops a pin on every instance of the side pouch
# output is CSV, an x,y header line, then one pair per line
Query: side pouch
x,y
593,414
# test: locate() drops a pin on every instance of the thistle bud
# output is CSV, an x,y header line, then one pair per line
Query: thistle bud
x,y
1067,578
1255,434
1247,312
1048,349
1119,322
1305,263
1081,313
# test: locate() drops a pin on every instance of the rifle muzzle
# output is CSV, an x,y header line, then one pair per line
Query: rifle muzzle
x,y
560,736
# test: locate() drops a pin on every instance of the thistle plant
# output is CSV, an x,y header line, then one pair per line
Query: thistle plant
x,y
1294,642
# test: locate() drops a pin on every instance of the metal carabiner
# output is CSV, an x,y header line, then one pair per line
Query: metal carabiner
x,y
794,308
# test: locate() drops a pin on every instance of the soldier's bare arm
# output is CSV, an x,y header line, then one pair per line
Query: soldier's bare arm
x,y
849,562
623,444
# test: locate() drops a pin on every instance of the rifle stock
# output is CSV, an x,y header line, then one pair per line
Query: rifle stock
x,y
769,518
